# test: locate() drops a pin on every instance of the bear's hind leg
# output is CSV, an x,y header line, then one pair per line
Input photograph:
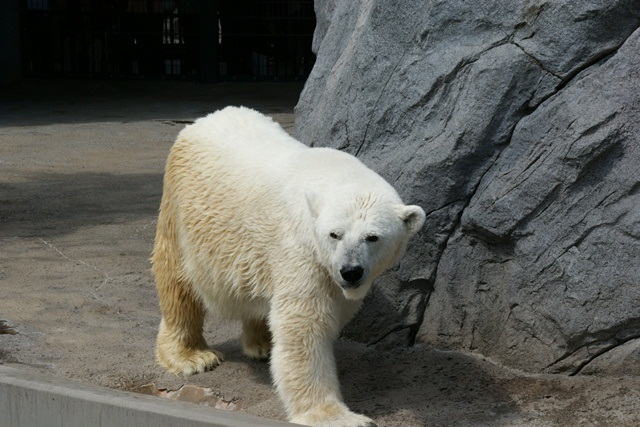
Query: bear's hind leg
x,y
256,339
181,347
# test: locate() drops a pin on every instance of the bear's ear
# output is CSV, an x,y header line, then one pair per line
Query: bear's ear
x,y
314,201
413,217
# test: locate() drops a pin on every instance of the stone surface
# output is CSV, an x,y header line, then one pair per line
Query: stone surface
x,y
515,126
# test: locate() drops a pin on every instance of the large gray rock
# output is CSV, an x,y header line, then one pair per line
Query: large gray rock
x,y
515,125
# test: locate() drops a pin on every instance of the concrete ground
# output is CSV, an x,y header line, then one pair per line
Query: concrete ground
x,y
80,183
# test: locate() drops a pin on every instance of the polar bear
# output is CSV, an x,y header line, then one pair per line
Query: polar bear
x,y
256,226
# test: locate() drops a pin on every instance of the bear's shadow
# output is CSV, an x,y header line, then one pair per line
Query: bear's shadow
x,y
258,369
428,386
424,384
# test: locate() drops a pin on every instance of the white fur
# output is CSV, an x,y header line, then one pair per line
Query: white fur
x,y
255,225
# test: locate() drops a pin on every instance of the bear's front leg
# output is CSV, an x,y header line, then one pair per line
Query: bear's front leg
x,y
303,365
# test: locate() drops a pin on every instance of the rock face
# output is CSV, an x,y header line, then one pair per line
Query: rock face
x,y
516,126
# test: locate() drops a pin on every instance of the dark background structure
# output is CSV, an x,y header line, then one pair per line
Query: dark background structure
x,y
199,40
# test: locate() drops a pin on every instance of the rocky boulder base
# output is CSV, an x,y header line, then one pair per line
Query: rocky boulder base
x,y
516,126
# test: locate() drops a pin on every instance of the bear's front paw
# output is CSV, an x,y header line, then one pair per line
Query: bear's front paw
x,y
349,420
189,361
329,417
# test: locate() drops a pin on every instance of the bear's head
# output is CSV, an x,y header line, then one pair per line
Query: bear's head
x,y
361,237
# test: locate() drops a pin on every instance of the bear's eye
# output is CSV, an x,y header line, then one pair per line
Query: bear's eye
x,y
372,238
334,235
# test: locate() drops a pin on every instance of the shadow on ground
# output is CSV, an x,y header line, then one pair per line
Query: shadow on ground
x,y
51,204
427,386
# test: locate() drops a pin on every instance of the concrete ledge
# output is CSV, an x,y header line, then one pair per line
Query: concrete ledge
x,y
29,399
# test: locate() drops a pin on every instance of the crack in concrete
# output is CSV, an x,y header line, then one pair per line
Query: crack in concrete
x,y
94,292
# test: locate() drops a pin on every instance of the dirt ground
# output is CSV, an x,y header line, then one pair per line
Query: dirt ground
x,y
80,182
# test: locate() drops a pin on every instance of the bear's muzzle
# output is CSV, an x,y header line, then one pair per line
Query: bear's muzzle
x,y
352,274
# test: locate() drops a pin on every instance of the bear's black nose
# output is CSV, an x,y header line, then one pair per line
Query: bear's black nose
x,y
351,273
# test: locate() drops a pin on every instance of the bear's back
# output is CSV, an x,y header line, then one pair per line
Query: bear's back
x,y
241,136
